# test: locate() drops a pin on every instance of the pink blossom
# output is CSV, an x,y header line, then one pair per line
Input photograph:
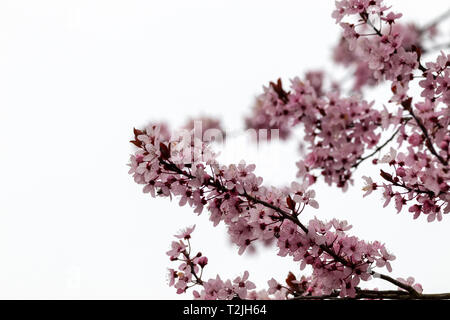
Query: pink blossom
x,y
391,17
370,185
242,285
177,248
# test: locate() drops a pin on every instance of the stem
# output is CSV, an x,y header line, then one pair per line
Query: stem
x,y
191,265
430,193
294,219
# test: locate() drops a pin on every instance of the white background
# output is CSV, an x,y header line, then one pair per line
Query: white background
x,y
76,76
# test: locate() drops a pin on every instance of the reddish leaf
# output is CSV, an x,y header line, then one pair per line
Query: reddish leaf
x,y
137,143
394,89
278,88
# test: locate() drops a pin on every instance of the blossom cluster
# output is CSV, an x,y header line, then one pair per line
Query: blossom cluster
x,y
421,175
416,181
377,44
232,194
339,261
337,129
340,132
235,195
386,51
411,37
189,273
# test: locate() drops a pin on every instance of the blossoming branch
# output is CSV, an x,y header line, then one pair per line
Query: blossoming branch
x,y
340,131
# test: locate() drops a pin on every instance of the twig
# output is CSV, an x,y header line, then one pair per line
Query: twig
x,y
376,150
429,143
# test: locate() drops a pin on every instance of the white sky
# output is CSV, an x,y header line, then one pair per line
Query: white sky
x,y
77,76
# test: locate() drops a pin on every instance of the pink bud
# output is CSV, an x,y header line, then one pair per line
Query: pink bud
x,y
203,261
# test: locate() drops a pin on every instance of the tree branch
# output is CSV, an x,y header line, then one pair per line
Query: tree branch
x,y
286,215
424,130
375,294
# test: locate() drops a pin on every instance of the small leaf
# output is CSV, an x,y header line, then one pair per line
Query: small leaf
x,y
165,152
418,51
394,89
291,277
290,203
278,88
137,143
386,176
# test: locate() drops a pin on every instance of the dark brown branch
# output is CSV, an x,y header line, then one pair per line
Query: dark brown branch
x,y
430,193
294,219
284,214
191,266
399,284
